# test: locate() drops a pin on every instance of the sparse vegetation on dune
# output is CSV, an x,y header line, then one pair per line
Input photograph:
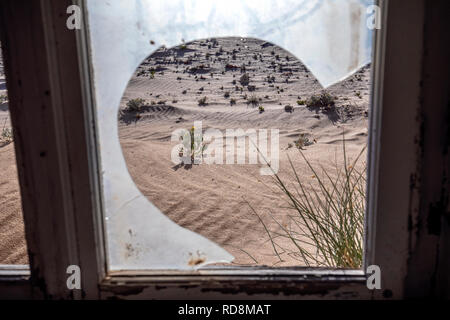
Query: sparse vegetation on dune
x,y
217,62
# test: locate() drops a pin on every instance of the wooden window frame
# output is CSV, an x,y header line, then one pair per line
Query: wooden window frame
x,y
52,111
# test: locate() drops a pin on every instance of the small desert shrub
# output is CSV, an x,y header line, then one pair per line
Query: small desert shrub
x,y
261,109
328,217
253,100
303,141
232,102
301,102
270,79
135,105
3,98
288,108
6,136
245,79
203,101
227,94
192,145
321,101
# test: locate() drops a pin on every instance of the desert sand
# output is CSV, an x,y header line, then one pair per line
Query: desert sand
x,y
13,249
213,200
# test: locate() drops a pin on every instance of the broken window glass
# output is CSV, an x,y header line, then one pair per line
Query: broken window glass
x,y
331,38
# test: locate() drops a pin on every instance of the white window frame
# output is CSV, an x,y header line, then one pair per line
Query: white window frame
x,y
51,99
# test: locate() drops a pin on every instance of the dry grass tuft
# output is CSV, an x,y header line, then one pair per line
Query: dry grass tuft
x,y
326,225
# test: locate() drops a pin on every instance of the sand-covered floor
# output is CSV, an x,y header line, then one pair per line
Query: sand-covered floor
x,y
213,199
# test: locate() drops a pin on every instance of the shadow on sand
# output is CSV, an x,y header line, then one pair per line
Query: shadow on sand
x,y
182,165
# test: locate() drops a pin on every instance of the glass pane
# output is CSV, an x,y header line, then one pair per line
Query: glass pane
x,y
269,79
13,248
